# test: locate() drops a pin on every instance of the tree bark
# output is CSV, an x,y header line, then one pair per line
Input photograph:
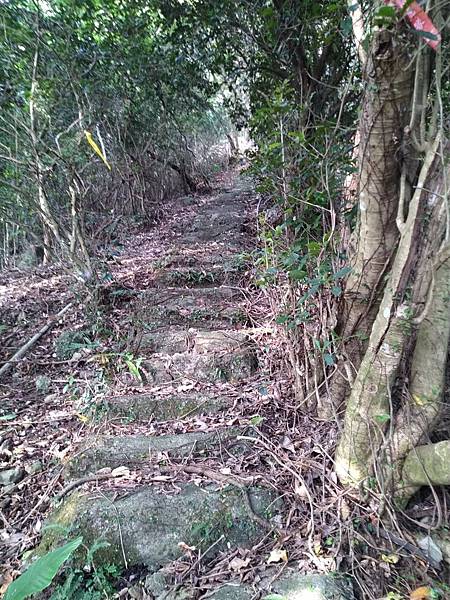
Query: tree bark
x,y
389,84
369,408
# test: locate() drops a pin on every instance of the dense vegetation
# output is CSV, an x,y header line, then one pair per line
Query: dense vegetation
x,y
108,72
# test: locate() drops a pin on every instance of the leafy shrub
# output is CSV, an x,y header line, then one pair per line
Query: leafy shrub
x,y
41,573
69,342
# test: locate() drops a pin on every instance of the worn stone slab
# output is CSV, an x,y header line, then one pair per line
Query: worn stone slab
x,y
199,274
221,341
145,407
147,526
290,585
223,218
196,341
200,355
330,586
208,367
192,307
137,450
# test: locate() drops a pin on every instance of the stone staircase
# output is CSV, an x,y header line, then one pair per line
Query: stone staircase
x,y
195,333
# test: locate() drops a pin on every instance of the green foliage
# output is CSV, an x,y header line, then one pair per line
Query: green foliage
x,y
133,364
114,70
41,573
94,584
70,342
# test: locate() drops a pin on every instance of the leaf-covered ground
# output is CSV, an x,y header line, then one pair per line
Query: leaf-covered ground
x,y
58,395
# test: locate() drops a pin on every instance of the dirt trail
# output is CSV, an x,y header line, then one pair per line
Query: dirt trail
x,y
178,470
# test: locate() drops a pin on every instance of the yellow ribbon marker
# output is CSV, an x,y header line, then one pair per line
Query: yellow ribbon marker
x,y
96,148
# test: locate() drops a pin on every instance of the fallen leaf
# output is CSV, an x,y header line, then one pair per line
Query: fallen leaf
x,y
345,510
300,490
185,547
421,593
390,559
6,580
239,563
277,555
83,418
287,444
120,472
103,471
428,545
318,549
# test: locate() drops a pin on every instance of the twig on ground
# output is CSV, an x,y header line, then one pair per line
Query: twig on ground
x,y
24,349
88,479
230,480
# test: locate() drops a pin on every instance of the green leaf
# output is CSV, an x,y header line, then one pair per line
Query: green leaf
x,y
8,417
336,291
274,597
134,370
386,12
382,419
297,274
426,34
405,7
329,359
346,26
342,273
256,420
41,573
282,319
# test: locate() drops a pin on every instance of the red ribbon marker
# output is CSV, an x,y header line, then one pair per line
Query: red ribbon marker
x,y
420,21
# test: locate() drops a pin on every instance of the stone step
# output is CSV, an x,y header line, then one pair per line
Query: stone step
x,y
287,585
192,307
196,341
199,355
142,451
201,273
223,219
147,526
164,405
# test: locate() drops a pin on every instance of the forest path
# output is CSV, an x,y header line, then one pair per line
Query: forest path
x,y
182,469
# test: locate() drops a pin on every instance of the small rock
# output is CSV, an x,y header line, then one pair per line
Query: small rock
x,y
42,384
429,546
51,398
136,592
292,586
34,468
6,448
156,583
11,476
5,502
233,592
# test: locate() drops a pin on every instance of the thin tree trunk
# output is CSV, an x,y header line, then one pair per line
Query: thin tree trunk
x,y
49,224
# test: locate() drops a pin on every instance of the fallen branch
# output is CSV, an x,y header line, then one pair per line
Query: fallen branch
x,y
24,349
88,479
230,480
411,548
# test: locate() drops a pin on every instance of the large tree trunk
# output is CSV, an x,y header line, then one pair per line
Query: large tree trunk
x,y
389,85
370,405
402,257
